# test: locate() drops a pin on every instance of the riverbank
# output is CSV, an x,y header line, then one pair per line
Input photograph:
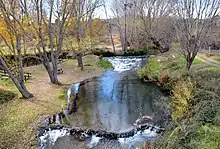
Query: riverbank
x,y
193,105
19,118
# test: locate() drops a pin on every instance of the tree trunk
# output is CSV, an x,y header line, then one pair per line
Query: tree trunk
x,y
79,60
52,74
112,40
189,61
21,87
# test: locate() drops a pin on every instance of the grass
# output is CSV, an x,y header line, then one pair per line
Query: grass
x,y
106,65
63,93
217,58
20,118
194,106
152,70
6,96
206,137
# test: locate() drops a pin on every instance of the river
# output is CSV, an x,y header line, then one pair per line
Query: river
x,y
110,102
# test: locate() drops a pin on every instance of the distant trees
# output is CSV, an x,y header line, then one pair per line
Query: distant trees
x,y
83,30
159,22
145,18
156,22
44,25
193,20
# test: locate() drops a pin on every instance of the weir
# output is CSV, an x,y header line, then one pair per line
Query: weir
x,y
102,111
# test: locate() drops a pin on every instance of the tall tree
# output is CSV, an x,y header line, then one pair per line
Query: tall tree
x,y
193,21
58,13
12,31
83,12
117,10
157,26
109,26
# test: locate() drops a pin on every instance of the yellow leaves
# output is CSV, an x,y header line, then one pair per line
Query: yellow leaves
x,y
182,95
4,29
97,27
71,24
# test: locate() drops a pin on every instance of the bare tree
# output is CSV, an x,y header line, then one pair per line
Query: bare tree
x,y
83,12
157,25
117,9
193,20
57,11
109,26
144,18
12,35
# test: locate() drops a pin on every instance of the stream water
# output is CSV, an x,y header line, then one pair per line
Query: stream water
x,y
110,102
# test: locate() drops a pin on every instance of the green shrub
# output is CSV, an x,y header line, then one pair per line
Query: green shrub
x,y
207,96
106,65
151,70
198,116
100,52
63,94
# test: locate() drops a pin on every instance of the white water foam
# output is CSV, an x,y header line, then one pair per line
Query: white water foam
x,y
94,141
121,64
141,136
50,137
68,95
75,89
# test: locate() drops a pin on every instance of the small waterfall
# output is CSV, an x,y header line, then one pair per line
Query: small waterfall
x,y
121,63
50,137
130,139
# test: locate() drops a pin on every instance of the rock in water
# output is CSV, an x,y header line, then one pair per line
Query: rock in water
x,y
143,120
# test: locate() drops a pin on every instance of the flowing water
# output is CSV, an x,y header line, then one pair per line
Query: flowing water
x,y
110,102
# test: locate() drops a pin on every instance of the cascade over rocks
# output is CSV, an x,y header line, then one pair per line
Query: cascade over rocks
x,y
83,133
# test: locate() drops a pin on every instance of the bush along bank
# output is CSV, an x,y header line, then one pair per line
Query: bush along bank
x,y
134,52
193,104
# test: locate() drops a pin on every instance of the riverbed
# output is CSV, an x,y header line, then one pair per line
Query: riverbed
x,y
110,102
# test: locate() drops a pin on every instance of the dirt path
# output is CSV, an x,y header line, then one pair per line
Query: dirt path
x,y
40,84
208,61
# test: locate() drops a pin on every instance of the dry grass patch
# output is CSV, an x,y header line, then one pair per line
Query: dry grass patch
x,y
19,118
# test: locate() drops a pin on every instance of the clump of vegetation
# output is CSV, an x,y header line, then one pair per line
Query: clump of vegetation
x,y
197,111
106,65
182,95
151,71
101,52
6,96
63,94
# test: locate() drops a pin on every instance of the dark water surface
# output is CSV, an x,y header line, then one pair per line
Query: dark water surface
x,y
111,102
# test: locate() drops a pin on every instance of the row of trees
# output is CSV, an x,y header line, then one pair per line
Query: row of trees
x,y
38,23
187,22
